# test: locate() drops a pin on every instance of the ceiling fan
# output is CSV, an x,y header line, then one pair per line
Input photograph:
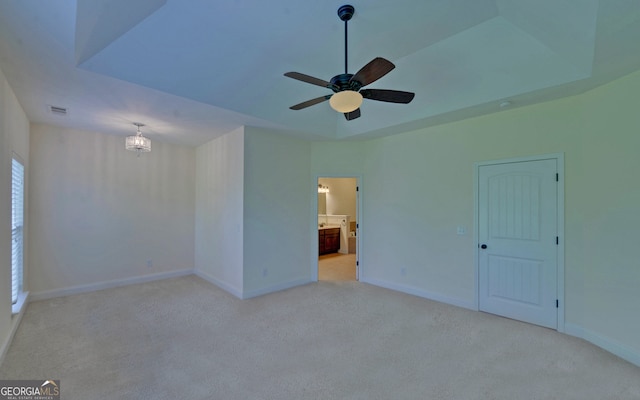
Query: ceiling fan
x,y
347,88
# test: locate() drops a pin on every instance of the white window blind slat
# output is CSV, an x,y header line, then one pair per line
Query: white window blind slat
x,y
17,231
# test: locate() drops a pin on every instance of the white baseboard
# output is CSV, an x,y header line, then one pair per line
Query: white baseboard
x,y
221,284
275,288
254,293
422,293
620,350
49,294
15,322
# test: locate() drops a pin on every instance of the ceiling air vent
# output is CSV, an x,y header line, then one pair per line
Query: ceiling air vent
x,y
58,110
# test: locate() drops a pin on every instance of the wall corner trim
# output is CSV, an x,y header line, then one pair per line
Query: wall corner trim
x,y
15,322
613,347
276,288
221,284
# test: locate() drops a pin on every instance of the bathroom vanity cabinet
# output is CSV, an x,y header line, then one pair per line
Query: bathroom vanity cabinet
x,y
328,240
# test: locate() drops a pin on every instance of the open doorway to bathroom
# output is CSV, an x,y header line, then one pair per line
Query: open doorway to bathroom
x,y
337,229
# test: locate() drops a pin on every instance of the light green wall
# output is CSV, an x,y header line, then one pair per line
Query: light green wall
x,y
14,137
253,205
337,158
5,219
219,211
100,214
608,203
278,192
418,188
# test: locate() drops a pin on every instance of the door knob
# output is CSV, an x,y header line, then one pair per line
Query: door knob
x,y
483,246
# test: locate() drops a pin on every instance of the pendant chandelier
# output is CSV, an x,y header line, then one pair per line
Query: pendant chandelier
x,y
137,142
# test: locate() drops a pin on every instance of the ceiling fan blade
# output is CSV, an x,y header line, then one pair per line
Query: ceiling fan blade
x,y
390,96
352,115
311,102
308,79
376,69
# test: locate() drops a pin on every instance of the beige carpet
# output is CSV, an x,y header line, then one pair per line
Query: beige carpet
x,y
185,339
337,267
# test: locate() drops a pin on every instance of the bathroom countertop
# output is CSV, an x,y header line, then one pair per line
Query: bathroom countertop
x,y
328,227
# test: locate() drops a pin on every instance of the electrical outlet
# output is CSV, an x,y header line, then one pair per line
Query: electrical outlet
x,y
149,264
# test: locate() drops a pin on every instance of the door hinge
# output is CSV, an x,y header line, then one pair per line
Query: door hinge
x,y
557,177
357,226
357,188
557,303
557,240
357,263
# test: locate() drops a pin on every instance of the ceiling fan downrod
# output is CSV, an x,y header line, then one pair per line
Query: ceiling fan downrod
x,y
345,13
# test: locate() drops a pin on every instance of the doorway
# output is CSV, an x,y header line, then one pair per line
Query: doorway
x,y
337,258
519,230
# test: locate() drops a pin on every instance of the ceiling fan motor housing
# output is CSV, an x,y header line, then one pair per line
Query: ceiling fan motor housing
x,y
346,12
343,82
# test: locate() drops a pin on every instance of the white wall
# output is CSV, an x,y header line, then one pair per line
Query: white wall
x,y
219,211
14,136
100,214
278,192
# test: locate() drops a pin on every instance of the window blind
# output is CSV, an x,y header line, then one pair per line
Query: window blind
x,y
17,223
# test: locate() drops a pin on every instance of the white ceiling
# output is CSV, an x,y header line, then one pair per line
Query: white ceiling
x,y
194,70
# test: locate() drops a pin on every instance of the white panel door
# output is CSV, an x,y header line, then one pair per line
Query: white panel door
x,y
517,260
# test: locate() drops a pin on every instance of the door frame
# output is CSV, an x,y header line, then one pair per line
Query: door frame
x,y
314,223
559,157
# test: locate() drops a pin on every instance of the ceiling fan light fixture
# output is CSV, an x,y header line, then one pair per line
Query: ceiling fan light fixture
x,y
346,101
347,96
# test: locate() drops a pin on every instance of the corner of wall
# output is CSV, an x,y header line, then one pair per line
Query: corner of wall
x,y
219,210
15,323
623,351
